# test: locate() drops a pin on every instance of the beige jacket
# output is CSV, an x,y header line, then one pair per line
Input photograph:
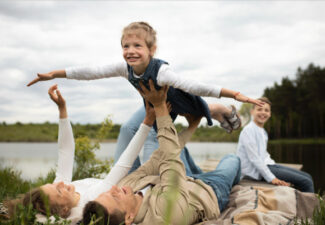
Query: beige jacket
x,y
173,198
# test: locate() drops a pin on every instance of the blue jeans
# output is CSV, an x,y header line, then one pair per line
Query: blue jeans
x,y
223,178
128,130
301,180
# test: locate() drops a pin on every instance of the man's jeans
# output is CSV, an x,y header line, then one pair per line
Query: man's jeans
x,y
301,180
221,179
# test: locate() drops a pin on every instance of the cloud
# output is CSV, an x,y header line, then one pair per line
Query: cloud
x,y
244,46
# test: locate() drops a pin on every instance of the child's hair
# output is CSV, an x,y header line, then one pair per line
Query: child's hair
x,y
142,29
265,100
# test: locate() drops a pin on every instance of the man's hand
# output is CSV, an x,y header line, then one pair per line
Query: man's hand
x,y
47,76
150,117
277,181
156,98
153,96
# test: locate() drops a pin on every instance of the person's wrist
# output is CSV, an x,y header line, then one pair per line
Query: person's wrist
x,y
148,122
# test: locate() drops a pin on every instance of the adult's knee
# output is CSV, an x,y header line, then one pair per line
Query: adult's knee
x,y
234,158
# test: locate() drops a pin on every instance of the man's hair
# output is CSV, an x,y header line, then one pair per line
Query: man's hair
x,y
141,29
94,211
265,100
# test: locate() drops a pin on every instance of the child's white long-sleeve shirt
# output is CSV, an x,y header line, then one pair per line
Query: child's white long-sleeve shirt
x,y
91,188
252,151
166,76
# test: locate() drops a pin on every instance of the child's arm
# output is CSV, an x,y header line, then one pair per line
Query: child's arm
x,y
85,73
168,77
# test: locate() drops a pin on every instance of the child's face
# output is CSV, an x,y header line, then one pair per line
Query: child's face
x,y
261,114
136,53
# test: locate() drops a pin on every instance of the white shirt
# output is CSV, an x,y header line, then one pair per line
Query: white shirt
x,y
252,151
166,76
90,188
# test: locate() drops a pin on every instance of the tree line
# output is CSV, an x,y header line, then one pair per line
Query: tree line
x,y
298,105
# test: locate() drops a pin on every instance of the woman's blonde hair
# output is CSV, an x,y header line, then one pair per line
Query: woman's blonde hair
x,y
141,29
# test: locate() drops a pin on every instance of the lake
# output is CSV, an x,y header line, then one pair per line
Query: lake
x,y
36,159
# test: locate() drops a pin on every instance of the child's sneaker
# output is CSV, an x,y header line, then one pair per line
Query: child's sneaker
x,y
226,125
233,119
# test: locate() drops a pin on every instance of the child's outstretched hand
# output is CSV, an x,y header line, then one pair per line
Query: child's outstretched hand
x,y
242,98
41,77
47,76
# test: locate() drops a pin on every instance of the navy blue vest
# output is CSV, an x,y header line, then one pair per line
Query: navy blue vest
x,y
181,101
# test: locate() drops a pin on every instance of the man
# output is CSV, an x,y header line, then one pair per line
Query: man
x,y
256,162
159,192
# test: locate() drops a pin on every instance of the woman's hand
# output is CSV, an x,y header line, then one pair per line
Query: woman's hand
x,y
57,98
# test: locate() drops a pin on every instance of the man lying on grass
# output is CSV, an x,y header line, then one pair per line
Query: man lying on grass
x,y
159,192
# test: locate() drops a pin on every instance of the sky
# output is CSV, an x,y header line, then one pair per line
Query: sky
x,y
245,46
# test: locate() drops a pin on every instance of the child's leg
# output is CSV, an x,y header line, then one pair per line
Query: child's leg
x,y
301,180
227,117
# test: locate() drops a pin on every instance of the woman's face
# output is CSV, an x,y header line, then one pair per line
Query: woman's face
x,y
61,194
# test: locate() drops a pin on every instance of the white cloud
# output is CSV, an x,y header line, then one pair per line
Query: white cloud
x,y
245,46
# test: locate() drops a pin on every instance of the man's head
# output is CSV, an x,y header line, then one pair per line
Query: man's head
x,y
116,205
261,114
94,211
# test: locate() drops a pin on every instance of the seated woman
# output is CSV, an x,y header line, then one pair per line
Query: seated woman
x,y
67,198
256,162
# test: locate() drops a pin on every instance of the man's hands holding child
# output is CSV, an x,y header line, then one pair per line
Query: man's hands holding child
x,y
156,97
152,95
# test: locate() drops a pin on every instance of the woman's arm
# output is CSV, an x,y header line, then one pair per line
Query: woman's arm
x,y
125,162
85,73
65,139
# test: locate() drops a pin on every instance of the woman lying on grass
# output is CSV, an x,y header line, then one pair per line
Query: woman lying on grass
x,y
64,197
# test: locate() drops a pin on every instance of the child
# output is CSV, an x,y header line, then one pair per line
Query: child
x,y
256,162
139,45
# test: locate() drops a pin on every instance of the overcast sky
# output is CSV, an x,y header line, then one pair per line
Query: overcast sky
x,y
240,45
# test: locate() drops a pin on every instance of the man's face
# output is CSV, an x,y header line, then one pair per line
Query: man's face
x,y
122,199
261,114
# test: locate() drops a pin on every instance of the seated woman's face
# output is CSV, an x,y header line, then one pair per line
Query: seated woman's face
x,y
61,194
